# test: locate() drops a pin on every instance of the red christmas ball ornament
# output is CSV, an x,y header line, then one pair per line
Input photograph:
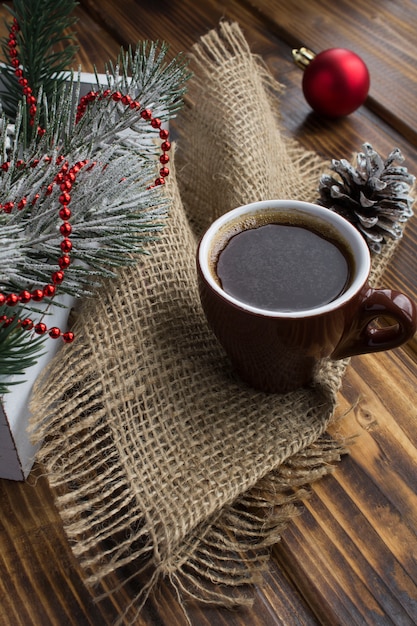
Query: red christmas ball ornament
x,y
335,81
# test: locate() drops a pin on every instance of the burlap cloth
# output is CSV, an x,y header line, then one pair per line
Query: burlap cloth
x,y
163,463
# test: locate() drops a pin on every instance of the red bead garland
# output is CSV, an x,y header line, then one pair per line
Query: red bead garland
x,y
65,179
145,114
27,90
40,328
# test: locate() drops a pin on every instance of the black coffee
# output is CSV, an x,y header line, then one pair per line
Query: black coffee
x,y
283,267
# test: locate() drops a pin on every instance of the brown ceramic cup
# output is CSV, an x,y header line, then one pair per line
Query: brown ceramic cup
x,y
278,351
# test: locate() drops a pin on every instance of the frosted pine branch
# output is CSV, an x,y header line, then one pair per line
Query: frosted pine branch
x,y
115,213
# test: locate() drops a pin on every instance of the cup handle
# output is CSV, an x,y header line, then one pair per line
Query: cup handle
x,y
362,337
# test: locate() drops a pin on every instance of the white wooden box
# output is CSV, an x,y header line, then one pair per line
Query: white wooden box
x,y
17,454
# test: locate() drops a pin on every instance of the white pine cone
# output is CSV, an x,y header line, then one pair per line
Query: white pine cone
x,y
373,194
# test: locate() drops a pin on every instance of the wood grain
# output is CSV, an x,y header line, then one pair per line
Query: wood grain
x,y
381,33
364,516
350,557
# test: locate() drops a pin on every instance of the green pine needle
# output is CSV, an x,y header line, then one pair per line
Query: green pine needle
x,y
18,350
46,48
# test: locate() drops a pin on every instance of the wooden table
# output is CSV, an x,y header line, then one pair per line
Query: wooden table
x,y
350,558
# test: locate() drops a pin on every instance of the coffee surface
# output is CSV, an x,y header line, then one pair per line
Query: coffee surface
x,y
283,267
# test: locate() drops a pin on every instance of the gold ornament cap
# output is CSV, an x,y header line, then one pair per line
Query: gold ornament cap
x,y
303,56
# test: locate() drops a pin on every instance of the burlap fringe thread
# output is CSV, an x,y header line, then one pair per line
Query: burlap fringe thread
x,y
163,463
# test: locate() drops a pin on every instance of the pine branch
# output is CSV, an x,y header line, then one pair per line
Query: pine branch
x,y
112,148
115,212
145,75
41,35
18,350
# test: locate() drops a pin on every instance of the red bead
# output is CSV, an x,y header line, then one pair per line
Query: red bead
x,y
64,198
116,96
2,298
164,158
5,166
22,204
156,122
165,146
164,171
37,295
65,229
68,337
40,328
8,207
49,291
336,82
58,277
78,166
64,262
66,245
163,133
12,299
15,62
26,324
65,213
126,100
146,114
54,333
25,296
160,181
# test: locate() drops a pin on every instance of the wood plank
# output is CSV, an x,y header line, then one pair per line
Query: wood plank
x,y
357,534
382,34
42,584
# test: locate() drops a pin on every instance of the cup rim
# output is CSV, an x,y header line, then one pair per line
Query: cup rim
x,y
349,232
